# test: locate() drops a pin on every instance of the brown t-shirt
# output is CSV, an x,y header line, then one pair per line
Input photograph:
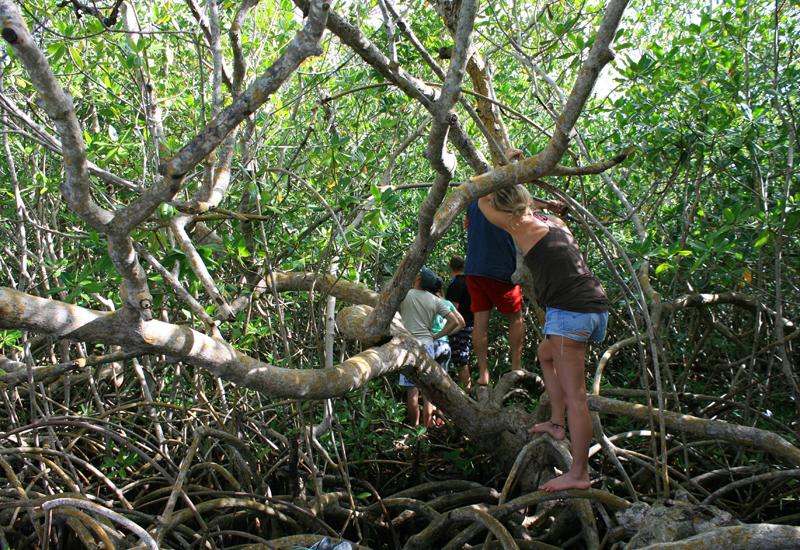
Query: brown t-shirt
x,y
561,277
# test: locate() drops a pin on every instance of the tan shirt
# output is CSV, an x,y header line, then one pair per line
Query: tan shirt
x,y
418,310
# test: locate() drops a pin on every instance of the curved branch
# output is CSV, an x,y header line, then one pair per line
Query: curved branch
x,y
732,433
143,535
735,298
47,373
753,480
591,169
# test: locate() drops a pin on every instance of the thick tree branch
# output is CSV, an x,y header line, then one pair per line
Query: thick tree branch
x,y
20,310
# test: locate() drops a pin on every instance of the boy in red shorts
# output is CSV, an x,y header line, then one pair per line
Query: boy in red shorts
x,y
491,260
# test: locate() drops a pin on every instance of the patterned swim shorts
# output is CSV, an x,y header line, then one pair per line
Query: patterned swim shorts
x,y
461,346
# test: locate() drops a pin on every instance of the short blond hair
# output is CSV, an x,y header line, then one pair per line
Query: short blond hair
x,y
514,199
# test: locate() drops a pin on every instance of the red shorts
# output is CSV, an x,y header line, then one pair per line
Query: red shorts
x,y
485,293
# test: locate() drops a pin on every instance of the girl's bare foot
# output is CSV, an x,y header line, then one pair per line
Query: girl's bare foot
x,y
567,481
556,431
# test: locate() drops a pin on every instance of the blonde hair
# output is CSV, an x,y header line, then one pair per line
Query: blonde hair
x,y
514,199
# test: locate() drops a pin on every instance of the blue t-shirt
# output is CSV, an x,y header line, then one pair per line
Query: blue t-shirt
x,y
490,250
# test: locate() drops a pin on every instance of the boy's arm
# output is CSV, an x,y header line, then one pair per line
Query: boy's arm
x,y
452,325
496,217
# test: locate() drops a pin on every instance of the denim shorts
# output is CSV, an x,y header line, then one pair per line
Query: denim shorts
x,y
581,327
440,351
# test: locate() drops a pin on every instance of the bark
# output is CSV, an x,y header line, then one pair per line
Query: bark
x,y
762,536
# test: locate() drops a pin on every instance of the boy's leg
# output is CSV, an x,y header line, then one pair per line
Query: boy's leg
x,y
464,377
481,306
480,343
516,336
412,406
461,346
426,417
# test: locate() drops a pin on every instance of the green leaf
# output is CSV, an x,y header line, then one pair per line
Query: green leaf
x,y
762,239
729,215
166,211
666,266
241,249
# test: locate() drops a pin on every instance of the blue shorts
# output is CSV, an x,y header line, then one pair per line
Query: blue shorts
x,y
440,351
581,327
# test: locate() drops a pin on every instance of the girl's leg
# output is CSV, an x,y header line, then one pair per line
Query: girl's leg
x,y
569,359
555,426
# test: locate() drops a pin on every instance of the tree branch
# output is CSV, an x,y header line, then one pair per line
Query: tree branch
x,y
591,169
732,433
